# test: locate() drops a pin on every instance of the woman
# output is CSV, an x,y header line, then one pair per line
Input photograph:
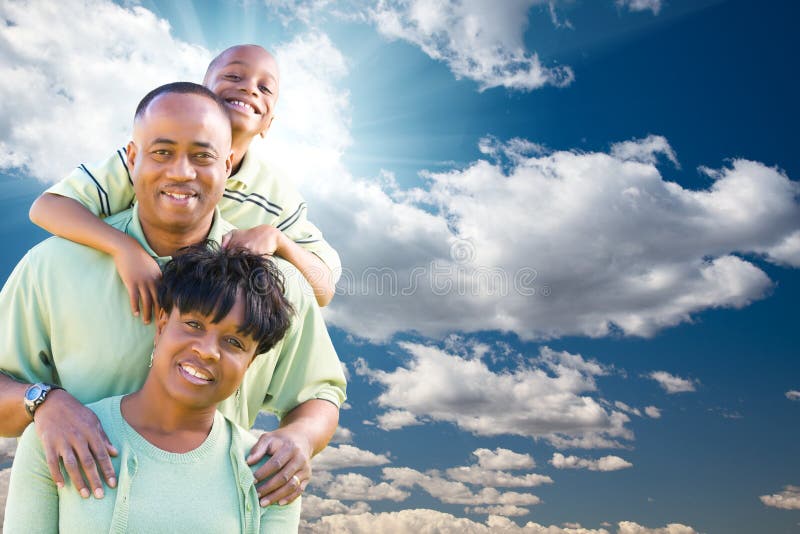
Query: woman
x,y
181,464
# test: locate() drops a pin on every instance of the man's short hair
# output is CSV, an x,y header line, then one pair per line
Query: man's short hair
x,y
184,88
206,279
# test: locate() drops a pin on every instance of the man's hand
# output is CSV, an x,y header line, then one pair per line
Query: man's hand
x,y
289,467
71,433
262,239
140,273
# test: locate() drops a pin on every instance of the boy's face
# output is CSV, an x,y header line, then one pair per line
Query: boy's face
x,y
246,79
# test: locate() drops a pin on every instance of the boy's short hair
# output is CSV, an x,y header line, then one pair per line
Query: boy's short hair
x,y
190,88
206,279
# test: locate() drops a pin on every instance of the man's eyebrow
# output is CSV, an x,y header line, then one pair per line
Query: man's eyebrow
x,y
203,144
163,141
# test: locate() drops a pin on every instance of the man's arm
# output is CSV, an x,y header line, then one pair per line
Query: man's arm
x,y
303,432
69,432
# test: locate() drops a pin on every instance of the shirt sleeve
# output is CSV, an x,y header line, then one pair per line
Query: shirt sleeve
x,y
25,352
307,366
32,503
104,189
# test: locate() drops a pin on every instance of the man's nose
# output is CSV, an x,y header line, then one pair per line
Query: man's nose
x,y
181,169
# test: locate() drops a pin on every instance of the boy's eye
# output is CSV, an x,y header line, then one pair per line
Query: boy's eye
x,y
236,343
232,77
264,89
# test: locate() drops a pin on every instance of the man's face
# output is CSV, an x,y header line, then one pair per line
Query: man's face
x,y
179,160
246,78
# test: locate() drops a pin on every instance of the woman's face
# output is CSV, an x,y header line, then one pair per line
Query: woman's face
x,y
201,363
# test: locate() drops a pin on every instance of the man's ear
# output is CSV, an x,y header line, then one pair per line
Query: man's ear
x,y
131,152
229,164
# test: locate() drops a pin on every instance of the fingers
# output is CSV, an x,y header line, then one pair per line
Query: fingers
x,y
147,303
53,466
103,455
133,297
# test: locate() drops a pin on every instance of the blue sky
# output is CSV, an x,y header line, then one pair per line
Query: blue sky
x,y
570,232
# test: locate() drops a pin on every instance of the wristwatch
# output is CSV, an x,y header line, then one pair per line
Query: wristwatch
x,y
35,395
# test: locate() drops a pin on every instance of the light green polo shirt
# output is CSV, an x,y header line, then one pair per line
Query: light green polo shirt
x,y
65,318
207,490
253,196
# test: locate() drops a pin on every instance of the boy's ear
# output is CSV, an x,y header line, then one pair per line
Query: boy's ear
x,y
263,133
131,154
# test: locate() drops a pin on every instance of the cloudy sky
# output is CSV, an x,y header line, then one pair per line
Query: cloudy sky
x,y
570,233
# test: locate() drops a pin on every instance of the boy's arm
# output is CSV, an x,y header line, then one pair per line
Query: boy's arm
x,y
68,218
266,239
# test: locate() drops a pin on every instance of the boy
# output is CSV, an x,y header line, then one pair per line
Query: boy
x,y
270,214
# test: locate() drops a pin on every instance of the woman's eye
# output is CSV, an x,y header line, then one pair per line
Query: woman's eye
x,y
193,324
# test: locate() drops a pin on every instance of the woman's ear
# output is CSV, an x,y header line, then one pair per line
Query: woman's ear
x,y
161,322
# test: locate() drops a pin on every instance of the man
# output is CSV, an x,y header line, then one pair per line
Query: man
x,y
65,319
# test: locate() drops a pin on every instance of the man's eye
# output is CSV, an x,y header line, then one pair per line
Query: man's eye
x,y
204,155
161,152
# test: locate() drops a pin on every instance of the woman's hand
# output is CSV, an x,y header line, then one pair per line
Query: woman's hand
x,y
284,476
140,273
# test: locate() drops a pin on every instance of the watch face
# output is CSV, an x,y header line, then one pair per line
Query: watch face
x,y
33,393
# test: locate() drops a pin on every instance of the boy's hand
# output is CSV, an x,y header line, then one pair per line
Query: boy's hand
x,y
262,239
71,433
140,273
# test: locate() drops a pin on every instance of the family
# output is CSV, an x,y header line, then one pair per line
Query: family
x,y
181,298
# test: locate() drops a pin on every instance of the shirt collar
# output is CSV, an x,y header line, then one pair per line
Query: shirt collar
x,y
134,229
247,170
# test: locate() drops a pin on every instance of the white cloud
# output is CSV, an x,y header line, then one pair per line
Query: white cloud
x,y
788,499
68,94
430,521
629,527
394,419
475,39
314,506
641,5
342,434
557,406
507,510
501,458
453,492
355,487
793,395
484,477
653,412
606,463
345,456
627,409
672,383
645,150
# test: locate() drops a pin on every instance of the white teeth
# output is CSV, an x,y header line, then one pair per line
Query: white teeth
x,y
195,372
243,105
178,196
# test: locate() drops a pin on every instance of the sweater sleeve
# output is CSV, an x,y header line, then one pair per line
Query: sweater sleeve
x,y
32,504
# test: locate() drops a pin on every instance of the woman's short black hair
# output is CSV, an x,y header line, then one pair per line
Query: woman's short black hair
x,y
206,279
